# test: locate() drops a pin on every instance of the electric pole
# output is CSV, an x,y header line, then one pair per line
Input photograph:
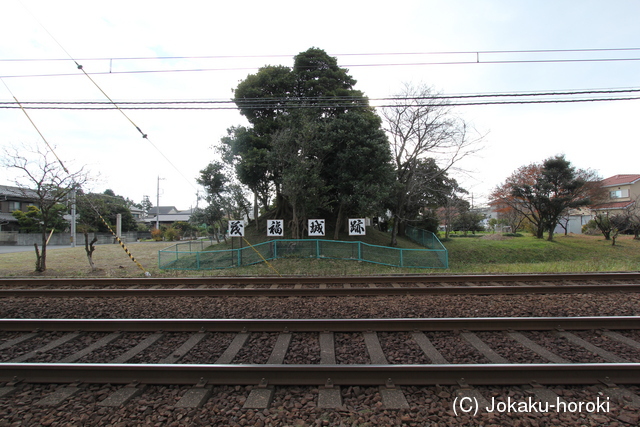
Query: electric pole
x,y
158,204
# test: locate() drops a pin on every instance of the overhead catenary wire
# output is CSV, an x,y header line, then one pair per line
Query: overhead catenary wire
x,y
462,52
146,273
36,128
414,64
474,57
81,68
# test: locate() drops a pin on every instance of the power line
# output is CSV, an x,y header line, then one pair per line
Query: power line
x,y
81,68
414,64
354,97
262,56
477,57
586,95
457,104
36,128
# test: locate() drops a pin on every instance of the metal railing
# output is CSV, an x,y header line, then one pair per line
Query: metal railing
x,y
193,256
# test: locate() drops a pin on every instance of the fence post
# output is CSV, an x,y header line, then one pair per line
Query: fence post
x,y
317,248
359,250
401,258
198,260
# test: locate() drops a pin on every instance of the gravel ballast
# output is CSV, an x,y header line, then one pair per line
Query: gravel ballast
x,y
298,406
325,307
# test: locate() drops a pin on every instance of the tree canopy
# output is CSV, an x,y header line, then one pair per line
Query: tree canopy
x,y
43,175
427,140
313,141
544,192
108,205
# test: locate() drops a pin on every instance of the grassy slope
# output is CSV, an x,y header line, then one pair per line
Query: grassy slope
x,y
528,254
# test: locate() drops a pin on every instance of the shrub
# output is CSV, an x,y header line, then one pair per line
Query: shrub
x,y
156,234
171,234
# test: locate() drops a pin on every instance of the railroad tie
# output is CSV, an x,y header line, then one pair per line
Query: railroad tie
x,y
622,396
261,396
392,397
178,354
230,353
547,397
53,344
467,392
623,339
195,397
327,348
374,348
122,395
18,340
328,395
608,356
59,396
280,349
96,345
9,388
483,348
147,342
428,348
536,348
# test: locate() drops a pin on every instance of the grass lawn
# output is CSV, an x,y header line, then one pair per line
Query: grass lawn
x,y
565,254
486,254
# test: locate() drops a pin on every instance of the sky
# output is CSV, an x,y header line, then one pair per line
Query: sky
x,y
383,44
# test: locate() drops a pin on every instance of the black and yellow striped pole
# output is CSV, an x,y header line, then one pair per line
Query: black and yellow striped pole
x,y
146,273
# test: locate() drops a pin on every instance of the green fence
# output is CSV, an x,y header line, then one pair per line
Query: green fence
x,y
192,256
428,240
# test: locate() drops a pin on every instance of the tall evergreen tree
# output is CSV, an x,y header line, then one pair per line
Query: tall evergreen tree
x,y
313,140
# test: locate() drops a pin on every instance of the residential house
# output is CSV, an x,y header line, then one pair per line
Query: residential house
x,y
166,215
14,199
624,191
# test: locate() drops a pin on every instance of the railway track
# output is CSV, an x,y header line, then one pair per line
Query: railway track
x,y
326,363
492,363
322,286
391,354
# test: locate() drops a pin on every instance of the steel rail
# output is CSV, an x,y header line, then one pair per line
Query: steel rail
x,y
409,278
321,325
316,292
416,375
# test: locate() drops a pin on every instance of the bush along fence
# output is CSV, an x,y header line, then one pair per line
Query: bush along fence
x,y
193,256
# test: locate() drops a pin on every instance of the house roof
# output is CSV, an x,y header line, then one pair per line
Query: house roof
x,y
168,218
620,180
6,218
162,210
613,206
17,192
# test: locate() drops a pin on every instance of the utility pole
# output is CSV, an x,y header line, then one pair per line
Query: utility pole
x,y
158,204
73,218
